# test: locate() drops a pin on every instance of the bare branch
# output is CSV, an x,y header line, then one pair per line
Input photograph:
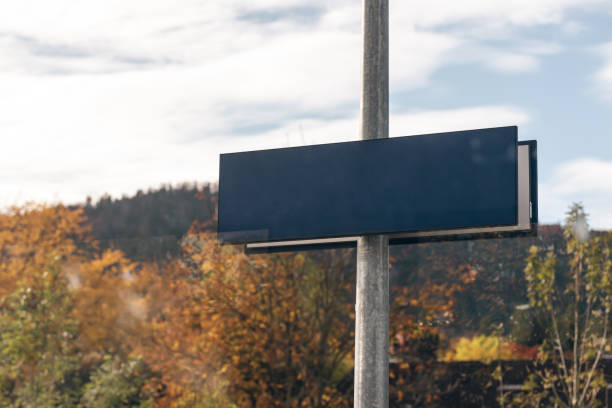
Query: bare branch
x,y
598,357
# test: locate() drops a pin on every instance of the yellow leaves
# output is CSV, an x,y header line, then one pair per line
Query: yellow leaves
x,y
299,260
104,303
110,262
31,235
34,235
480,348
207,266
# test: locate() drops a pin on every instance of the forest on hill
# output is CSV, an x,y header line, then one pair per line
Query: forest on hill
x,y
133,302
149,225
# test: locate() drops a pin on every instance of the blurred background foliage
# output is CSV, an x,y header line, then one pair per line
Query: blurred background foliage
x,y
132,302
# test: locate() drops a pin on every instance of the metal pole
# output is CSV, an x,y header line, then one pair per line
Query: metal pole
x,y
372,304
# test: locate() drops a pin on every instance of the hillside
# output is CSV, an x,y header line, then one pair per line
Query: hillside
x,y
148,225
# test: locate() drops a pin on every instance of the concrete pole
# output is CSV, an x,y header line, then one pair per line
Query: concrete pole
x,y
372,307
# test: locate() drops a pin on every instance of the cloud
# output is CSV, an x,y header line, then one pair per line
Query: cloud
x,y
304,14
506,14
509,62
142,155
488,33
585,180
505,60
584,176
431,121
572,27
415,54
112,96
317,131
67,36
603,77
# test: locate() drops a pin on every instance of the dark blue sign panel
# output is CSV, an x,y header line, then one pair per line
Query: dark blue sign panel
x,y
441,181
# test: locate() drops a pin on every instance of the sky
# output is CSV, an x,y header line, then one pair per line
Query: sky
x,y
113,96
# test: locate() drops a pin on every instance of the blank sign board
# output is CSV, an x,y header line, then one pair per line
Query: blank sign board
x,y
413,188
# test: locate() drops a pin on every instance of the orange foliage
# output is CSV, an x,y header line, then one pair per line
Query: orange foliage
x,y
104,302
430,304
522,352
416,315
32,236
173,340
276,329
269,331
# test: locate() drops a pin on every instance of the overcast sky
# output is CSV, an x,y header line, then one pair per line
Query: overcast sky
x,y
112,96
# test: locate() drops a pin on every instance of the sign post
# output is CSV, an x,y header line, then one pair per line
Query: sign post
x,y
372,292
376,192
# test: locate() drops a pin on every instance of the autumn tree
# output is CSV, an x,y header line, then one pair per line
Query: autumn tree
x,y
109,309
173,339
39,357
31,235
64,305
570,374
279,326
418,315
120,383
495,264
